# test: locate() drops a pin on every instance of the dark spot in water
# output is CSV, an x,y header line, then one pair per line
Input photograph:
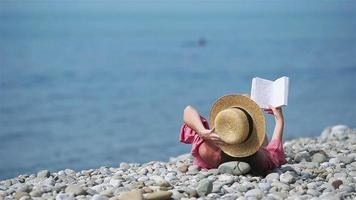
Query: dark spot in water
x,y
201,42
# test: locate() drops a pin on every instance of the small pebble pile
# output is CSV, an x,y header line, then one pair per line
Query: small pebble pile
x,y
318,168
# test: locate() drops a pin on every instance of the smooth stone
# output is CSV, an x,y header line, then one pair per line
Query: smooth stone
x,y
143,171
334,161
177,195
287,168
25,198
340,175
305,175
193,169
286,178
345,159
336,184
115,182
8,183
264,186
226,179
183,168
313,192
319,158
99,197
213,196
193,193
205,187
19,194
280,185
143,178
131,195
278,195
43,174
124,165
75,190
310,165
229,196
347,188
159,195
272,177
69,172
64,197
36,193
234,168
108,193
25,188
302,156
217,186
255,193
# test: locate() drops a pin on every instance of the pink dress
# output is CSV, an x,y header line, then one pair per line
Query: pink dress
x,y
266,158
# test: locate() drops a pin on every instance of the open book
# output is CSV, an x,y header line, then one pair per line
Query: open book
x,y
265,92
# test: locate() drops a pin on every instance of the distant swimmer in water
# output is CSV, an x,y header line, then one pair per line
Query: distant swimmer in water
x,y
201,42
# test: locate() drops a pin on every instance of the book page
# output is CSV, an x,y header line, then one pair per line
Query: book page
x,y
280,92
261,91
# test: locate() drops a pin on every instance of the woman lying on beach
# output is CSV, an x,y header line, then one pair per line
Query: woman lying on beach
x,y
209,149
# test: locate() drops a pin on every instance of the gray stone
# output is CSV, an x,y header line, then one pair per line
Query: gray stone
x,y
217,185
226,178
108,193
319,158
183,168
255,193
288,168
124,165
340,175
131,195
99,197
19,194
69,172
347,188
272,177
36,193
25,188
65,197
280,185
310,165
264,186
313,192
345,159
205,186
286,178
158,195
115,182
302,156
75,190
193,169
43,174
8,183
234,168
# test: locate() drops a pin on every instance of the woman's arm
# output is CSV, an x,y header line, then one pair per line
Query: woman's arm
x,y
191,117
279,119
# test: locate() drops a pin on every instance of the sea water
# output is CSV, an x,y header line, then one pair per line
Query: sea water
x,y
84,85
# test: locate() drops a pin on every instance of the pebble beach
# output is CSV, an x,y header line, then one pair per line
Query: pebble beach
x,y
323,167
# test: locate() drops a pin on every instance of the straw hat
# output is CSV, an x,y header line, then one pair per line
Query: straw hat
x,y
239,122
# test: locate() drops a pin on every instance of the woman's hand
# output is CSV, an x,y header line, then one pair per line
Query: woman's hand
x,y
277,112
210,135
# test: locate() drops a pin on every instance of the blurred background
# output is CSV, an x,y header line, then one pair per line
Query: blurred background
x,y
89,84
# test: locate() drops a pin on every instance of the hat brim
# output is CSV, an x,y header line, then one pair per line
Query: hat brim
x,y
258,134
